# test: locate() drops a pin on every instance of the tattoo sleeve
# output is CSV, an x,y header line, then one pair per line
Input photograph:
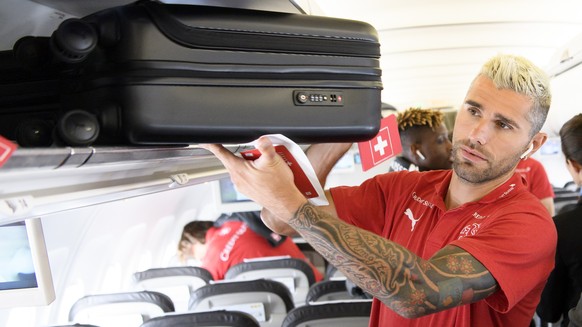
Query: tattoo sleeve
x,y
409,285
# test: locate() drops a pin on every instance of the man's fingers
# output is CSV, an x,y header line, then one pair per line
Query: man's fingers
x,y
265,146
224,155
210,147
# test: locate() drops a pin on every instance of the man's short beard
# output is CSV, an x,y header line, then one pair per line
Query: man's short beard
x,y
469,173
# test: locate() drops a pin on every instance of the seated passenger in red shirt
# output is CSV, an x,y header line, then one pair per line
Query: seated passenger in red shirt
x,y
537,181
220,247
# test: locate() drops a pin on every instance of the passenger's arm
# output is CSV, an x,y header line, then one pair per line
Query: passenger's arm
x,y
549,204
278,226
324,156
409,285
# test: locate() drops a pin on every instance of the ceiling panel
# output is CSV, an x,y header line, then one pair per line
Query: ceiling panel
x,y
431,51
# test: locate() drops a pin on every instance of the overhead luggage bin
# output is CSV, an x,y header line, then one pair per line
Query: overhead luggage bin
x,y
154,73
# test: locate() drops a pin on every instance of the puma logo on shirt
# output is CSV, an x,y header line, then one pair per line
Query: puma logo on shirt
x,y
410,216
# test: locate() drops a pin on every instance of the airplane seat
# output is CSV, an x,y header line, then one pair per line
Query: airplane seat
x,y
220,318
354,313
565,198
331,272
327,290
294,273
176,282
571,186
120,309
356,291
268,301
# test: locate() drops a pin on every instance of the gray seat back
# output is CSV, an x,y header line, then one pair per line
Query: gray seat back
x,y
176,282
296,274
328,290
120,309
220,318
354,313
267,301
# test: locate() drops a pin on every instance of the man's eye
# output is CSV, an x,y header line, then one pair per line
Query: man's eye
x,y
503,125
473,111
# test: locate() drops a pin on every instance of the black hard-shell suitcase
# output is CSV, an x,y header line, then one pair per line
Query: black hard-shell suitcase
x,y
153,73
29,102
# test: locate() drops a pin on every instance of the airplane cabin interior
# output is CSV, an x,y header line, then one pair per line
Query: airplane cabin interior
x,y
89,232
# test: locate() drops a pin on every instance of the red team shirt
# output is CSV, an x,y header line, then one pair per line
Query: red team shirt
x,y
508,231
234,241
536,178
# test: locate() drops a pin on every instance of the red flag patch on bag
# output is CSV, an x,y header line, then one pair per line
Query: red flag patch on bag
x,y
6,150
385,145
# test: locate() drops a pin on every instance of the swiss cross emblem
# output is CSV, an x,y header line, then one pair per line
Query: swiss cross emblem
x,y
6,150
383,146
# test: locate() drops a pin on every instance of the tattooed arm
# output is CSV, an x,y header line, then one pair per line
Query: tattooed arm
x,y
278,225
323,157
409,285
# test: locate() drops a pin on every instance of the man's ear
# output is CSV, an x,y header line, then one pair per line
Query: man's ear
x,y
537,141
577,167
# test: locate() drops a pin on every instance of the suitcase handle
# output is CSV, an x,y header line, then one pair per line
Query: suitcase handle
x,y
245,40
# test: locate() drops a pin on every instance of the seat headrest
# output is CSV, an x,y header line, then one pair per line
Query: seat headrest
x,y
221,318
258,285
287,263
173,271
336,310
158,299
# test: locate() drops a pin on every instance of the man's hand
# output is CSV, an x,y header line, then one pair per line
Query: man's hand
x,y
266,180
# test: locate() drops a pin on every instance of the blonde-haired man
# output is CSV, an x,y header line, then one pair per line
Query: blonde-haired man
x,y
478,248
